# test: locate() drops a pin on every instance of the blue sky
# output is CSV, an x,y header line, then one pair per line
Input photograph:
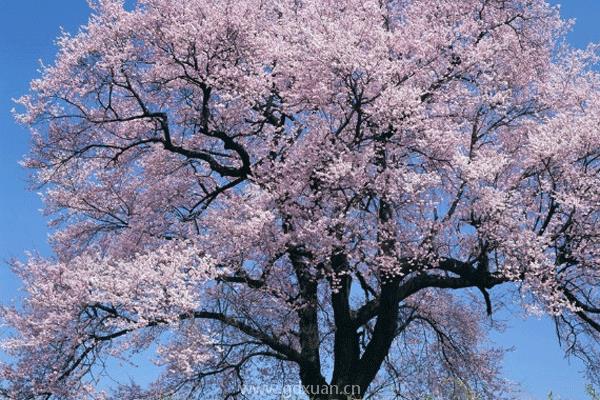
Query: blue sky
x,y
27,32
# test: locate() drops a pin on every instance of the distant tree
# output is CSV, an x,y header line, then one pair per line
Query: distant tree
x,y
327,190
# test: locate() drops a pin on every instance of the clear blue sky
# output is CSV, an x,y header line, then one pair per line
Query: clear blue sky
x,y
27,32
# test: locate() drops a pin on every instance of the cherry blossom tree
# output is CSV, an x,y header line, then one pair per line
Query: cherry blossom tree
x,y
324,191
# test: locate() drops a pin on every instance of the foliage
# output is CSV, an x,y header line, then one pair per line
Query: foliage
x,y
269,191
